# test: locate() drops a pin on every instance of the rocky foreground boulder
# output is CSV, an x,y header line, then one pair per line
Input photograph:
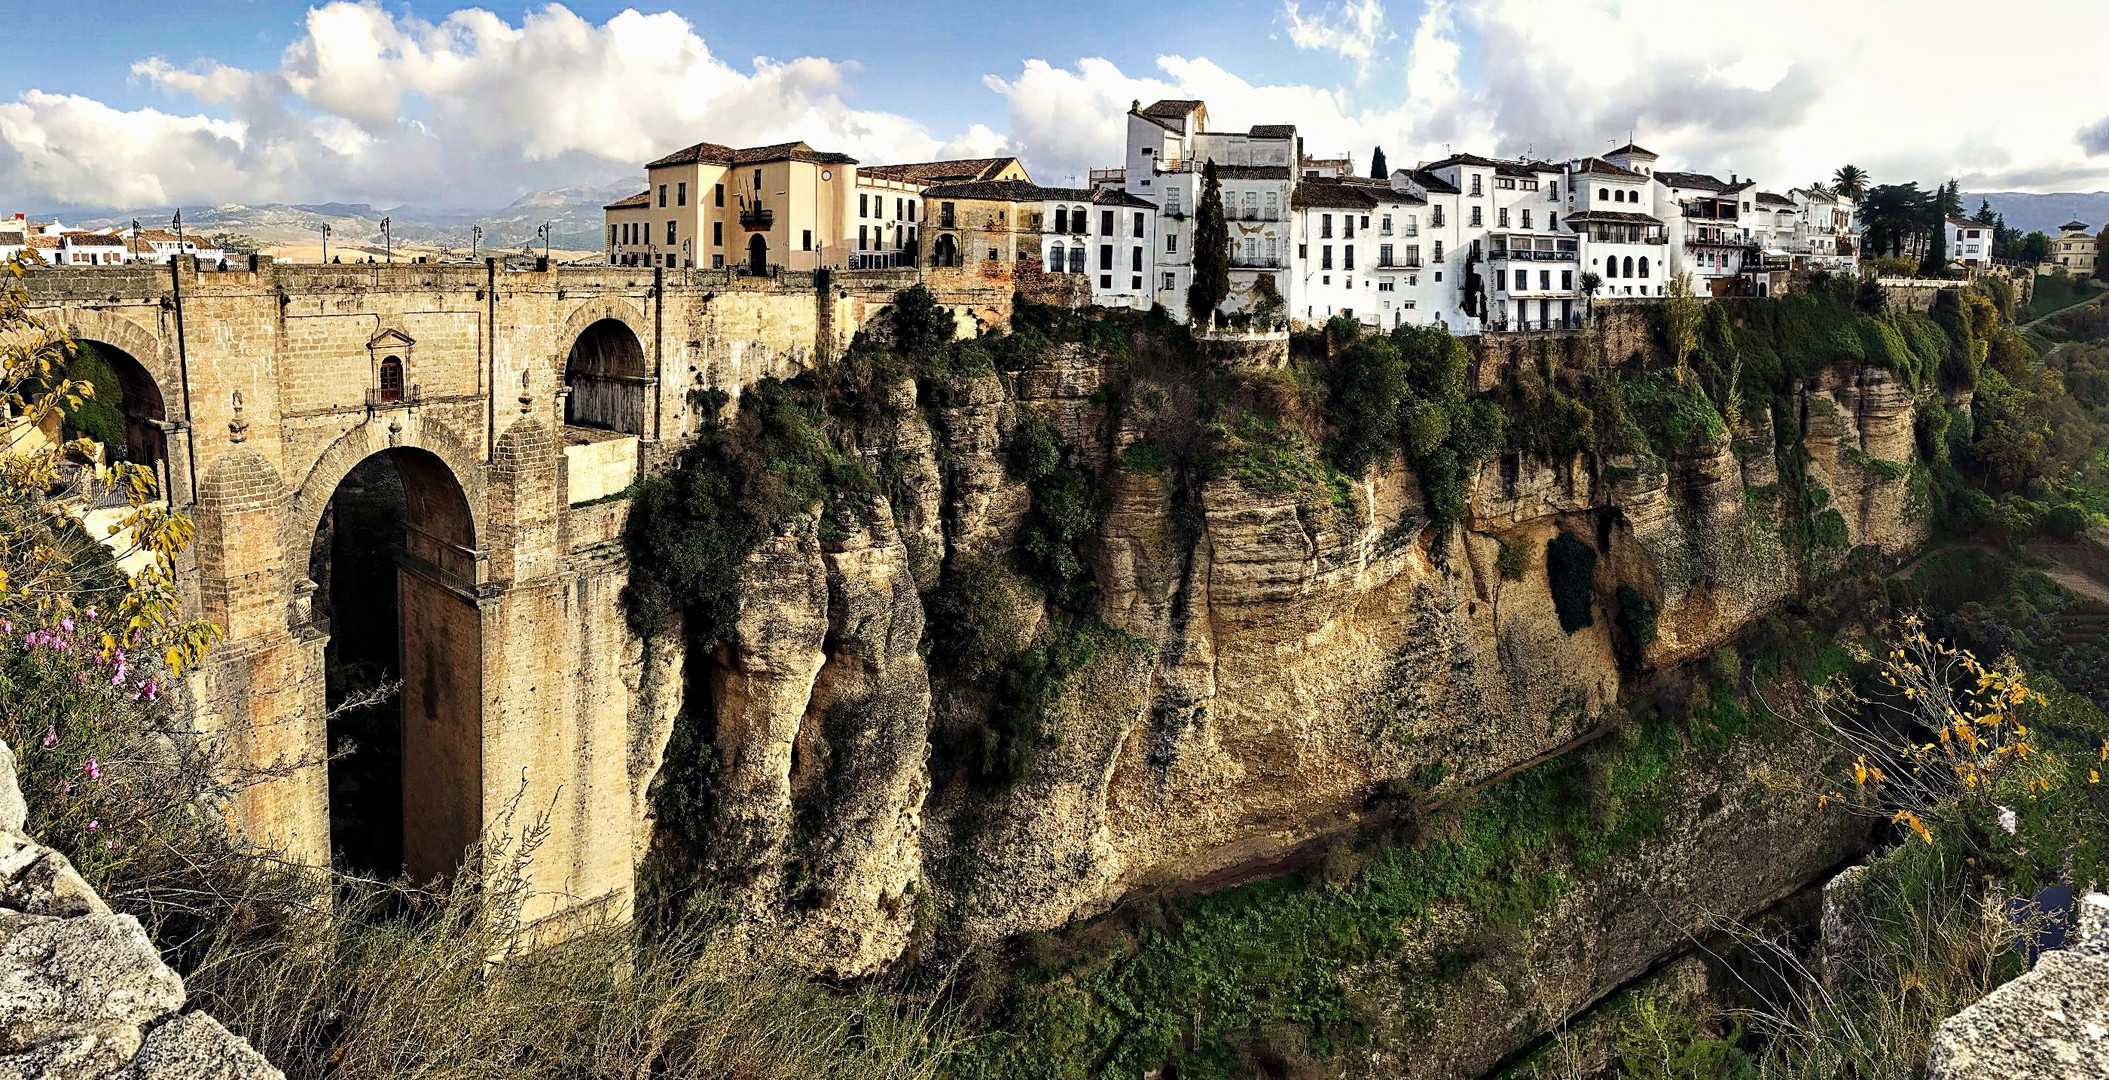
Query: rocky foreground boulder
x,y
83,993
2051,1022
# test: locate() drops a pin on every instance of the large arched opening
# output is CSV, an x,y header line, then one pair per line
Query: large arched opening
x,y
606,376
393,563
127,415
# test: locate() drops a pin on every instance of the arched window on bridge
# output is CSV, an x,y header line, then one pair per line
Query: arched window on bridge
x,y
127,415
606,376
390,380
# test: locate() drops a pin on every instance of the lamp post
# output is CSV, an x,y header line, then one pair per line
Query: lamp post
x,y
543,232
475,237
135,236
387,241
687,252
179,236
325,227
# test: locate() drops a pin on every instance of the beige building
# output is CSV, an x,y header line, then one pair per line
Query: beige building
x,y
760,209
2073,248
889,205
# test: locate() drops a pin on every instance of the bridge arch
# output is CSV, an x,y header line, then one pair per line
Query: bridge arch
x,y
605,369
146,390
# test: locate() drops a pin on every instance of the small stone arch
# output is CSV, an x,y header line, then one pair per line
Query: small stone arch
x,y
593,311
143,344
605,368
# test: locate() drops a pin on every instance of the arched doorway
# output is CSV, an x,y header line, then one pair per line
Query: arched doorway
x,y
606,375
758,255
127,414
393,564
945,252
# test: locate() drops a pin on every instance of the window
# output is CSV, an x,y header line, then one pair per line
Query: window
x,y
863,241
1347,225
1170,282
1171,204
1061,219
717,234
1171,243
1566,280
1385,286
863,205
897,209
1325,226
1365,223
911,209
1105,281
1552,220
807,242
994,256
1303,251
1438,256
392,379
1501,216
1274,205
757,181
1384,225
1476,192
1643,266
1325,257
1611,267
1383,254
1545,279
1413,254
1105,222
1476,221
1105,256
1076,259
1435,216
681,194
1347,258
670,234
1135,283
717,262
1552,190
1135,261
1628,267
662,194
1526,219
611,236
1603,194
1505,182
1272,252
1140,225
718,196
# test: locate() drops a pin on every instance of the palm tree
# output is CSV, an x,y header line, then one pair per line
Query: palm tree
x,y
1851,181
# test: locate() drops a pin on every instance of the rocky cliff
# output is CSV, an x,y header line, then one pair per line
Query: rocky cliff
x,y
1277,656
83,993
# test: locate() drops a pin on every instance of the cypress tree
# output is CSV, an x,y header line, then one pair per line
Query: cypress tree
x,y
1211,281
1377,168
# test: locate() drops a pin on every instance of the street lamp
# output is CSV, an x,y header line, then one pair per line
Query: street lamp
x,y
179,232
475,237
135,237
543,232
387,242
325,227
687,254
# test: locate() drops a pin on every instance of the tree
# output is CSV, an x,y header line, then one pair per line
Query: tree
x,y
1680,321
1949,199
1936,261
1984,215
1211,280
1377,167
1851,181
1591,282
2035,248
2101,254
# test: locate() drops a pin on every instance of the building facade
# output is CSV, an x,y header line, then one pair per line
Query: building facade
x,y
761,209
2073,249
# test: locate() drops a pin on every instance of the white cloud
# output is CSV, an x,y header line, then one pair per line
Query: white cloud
x,y
1354,30
372,104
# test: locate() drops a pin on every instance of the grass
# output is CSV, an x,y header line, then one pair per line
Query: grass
x,y
2056,292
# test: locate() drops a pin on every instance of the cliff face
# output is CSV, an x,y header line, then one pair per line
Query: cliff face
x,y
1280,661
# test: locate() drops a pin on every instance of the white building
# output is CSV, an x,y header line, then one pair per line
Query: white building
x,y
1441,232
1969,242
1610,209
1824,236
1358,253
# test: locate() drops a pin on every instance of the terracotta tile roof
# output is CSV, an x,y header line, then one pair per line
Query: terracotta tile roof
x,y
1431,183
790,151
1462,159
712,153
1252,172
2071,225
1314,195
43,241
84,239
1634,150
1600,167
1695,181
961,170
1171,109
1767,198
1027,191
642,198
1272,131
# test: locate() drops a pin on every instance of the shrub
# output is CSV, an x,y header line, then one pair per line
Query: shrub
x,y
2064,521
1514,561
1570,572
1636,620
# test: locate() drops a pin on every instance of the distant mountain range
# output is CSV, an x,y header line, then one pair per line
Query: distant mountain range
x,y
573,213
2031,213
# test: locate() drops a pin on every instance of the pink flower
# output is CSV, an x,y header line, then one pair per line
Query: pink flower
x,y
94,825
66,625
95,771
117,679
66,787
51,735
90,613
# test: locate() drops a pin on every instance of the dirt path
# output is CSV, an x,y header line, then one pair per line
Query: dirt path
x,y
2069,307
2080,564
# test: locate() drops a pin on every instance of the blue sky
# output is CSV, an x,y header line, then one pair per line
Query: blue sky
x,y
205,101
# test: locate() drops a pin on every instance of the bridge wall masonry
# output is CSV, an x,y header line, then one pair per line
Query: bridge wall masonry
x,y
271,378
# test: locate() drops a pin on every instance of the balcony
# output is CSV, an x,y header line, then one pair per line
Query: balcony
x,y
1258,215
758,218
1519,255
881,260
1525,326
1408,232
1400,263
1255,262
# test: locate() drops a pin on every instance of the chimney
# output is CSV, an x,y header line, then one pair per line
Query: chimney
x,y
1135,105
1731,178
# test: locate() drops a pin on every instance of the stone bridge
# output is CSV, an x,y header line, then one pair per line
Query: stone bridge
x,y
508,403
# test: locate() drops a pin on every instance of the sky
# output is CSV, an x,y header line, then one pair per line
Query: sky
x,y
132,103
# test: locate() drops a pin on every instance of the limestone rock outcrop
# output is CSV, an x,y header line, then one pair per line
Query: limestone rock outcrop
x,y
2052,1021
83,993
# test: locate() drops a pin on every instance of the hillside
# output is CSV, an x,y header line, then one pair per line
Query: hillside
x,y
2030,212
